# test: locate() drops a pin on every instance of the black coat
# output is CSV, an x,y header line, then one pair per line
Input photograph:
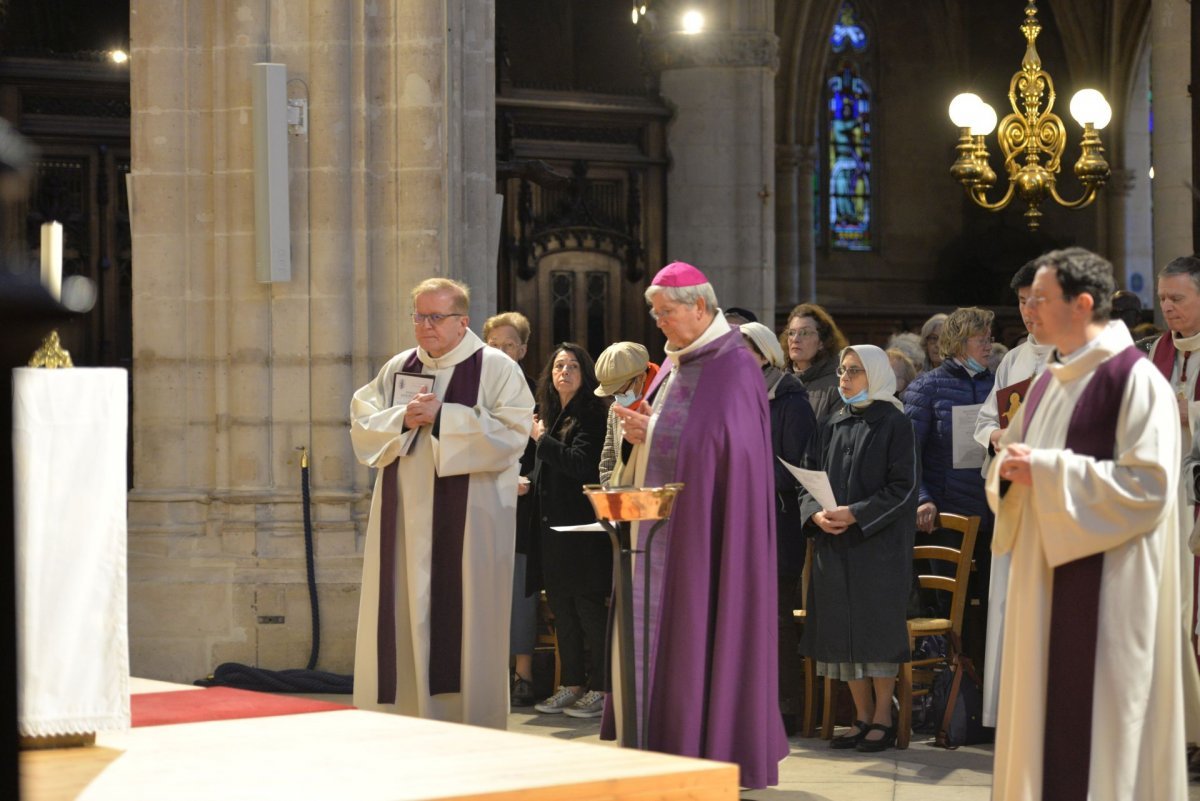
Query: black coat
x,y
861,578
792,424
568,456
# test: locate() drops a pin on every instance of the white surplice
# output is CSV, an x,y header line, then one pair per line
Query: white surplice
x,y
1184,384
485,441
1024,361
1078,506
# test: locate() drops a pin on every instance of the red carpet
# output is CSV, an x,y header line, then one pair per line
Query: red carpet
x,y
218,703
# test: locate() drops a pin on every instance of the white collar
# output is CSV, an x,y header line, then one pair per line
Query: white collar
x,y
459,353
717,328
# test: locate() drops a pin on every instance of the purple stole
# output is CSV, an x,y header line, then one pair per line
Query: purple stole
x,y
449,524
1075,605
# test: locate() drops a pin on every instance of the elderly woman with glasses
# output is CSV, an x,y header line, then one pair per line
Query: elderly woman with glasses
x,y
812,341
862,547
950,471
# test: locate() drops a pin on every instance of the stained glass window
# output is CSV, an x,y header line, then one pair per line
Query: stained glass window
x,y
848,137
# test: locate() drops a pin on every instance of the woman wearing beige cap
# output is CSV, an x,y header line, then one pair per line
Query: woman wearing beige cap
x,y
624,370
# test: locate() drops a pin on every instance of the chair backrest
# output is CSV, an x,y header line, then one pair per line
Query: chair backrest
x,y
960,557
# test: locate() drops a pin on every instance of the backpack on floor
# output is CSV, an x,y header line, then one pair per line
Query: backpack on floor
x,y
958,702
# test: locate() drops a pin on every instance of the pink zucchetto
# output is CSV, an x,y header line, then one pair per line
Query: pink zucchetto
x,y
679,273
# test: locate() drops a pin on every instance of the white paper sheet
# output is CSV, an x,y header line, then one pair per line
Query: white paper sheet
x,y
965,451
817,484
580,527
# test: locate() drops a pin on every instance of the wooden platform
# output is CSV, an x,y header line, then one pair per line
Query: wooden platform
x,y
366,756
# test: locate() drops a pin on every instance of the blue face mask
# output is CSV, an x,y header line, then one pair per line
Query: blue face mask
x,y
625,399
974,365
856,398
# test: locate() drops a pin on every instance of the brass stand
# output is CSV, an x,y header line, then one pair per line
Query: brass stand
x,y
615,510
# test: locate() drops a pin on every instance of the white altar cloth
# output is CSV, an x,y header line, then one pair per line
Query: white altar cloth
x,y
69,451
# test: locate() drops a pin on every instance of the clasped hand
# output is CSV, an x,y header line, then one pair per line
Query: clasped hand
x,y
1015,465
422,410
834,521
635,421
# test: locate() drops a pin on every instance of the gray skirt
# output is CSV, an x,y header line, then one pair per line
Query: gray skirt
x,y
522,627
850,671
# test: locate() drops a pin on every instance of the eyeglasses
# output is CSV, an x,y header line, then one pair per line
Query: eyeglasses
x,y
434,319
929,340
802,333
663,313
981,340
853,372
1038,300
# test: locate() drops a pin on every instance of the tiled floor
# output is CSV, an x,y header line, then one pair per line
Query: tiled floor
x,y
814,772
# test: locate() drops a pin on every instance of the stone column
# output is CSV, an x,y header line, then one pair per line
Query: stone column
x,y
1170,70
392,182
721,213
795,249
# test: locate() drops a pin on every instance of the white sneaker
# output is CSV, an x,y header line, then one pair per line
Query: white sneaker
x,y
558,702
591,705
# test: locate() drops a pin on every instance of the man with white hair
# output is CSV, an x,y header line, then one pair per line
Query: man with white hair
x,y
1179,296
712,647
438,562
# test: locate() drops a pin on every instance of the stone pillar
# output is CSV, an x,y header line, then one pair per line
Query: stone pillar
x,y
795,251
1170,70
721,213
392,182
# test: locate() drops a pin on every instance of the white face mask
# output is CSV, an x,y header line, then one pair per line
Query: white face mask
x,y
626,399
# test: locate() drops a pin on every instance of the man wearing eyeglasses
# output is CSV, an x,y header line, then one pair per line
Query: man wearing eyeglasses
x,y
1084,488
713,652
437,569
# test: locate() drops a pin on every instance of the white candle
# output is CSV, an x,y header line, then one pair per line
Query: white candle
x,y
52,249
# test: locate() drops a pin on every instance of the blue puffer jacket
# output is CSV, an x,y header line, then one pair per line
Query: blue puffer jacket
x,y
927,402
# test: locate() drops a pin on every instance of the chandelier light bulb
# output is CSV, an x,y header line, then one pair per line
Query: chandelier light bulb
x,y
635,15
118,56
964,108
693,22
984,120
1088,105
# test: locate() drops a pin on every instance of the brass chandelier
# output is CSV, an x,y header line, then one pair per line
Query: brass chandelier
x,y
1032,134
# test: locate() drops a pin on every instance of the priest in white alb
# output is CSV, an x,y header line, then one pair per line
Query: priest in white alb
x,y
1174,354
1025,361
445,423
1084,487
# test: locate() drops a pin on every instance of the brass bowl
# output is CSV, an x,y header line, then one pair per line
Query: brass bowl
x,y
620,504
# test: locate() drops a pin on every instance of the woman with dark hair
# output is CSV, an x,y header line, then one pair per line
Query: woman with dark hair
x,y
813,342
576,566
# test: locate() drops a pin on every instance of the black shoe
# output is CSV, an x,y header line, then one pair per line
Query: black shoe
x,y
886,741
521,693
850,740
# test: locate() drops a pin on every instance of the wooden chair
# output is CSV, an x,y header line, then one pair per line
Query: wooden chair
x,y
916,677
808,721
547,637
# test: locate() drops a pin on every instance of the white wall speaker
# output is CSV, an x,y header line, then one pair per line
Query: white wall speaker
x,y
272,229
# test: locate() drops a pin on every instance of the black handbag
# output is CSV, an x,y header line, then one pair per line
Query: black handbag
x,y
958,702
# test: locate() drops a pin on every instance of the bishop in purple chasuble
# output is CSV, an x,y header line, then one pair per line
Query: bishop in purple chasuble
x,y
713,630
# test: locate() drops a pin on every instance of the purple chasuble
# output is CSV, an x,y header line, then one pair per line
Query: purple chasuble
x,y
713,628
1075,604
449,524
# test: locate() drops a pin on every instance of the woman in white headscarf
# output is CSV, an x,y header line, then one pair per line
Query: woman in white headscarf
x,y
862,550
